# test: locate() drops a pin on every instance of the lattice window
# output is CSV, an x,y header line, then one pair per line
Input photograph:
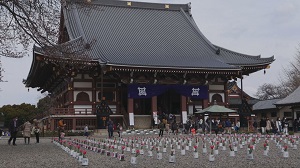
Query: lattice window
x,y
80,124
109,96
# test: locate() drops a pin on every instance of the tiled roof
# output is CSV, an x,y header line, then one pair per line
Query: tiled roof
x,y
148,35
235,58
265,104
238,101
293,98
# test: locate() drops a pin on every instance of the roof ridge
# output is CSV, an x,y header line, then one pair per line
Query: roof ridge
x,y
134,4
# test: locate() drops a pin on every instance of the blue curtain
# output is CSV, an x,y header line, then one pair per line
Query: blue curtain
x,y
137,91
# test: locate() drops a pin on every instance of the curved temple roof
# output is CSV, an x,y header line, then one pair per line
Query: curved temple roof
x,y
291,99
148,35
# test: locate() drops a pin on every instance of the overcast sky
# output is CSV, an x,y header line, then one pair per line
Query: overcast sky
x,y
255,27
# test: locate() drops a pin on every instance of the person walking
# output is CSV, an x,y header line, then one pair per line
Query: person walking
x,y
110,128
255,125
120,128
61,129
86,130
27,132
36,130
13,129
161,128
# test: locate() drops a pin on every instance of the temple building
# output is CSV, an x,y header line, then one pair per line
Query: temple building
x,y
139,59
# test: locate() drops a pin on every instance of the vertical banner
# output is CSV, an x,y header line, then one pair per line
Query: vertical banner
x,y
131,119
184,116
155,117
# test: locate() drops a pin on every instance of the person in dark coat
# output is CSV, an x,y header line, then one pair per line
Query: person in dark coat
x,y
13,129
36,130
263,124
174,128
110,128
296,125
162,127
255,125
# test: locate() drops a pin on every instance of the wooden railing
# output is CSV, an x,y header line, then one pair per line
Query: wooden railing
x,y
88,111
73,111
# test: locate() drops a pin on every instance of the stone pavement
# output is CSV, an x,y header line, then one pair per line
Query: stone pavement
x,y
44,154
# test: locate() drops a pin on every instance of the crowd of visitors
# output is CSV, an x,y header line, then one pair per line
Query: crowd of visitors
x,y
27,129
168,124
277,127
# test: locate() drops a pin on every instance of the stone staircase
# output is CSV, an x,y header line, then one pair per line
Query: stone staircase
x,y
101,132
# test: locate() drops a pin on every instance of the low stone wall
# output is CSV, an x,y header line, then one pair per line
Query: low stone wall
x,y
142,121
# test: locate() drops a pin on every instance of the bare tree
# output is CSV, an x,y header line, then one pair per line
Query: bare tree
x,y
289,82
23,22
268,91
27,22
291,78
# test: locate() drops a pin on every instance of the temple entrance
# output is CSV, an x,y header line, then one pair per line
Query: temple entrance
x,y
169,102
142,106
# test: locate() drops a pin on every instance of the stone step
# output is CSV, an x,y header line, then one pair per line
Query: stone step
x,y
101,132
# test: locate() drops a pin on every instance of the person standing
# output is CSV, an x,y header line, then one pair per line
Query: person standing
x,y
36,130
228,126
167,128
263,124
27,132
268,126
285,125
279,125
255,126
174,127
237,126
13,129
120,128
86,130
296,125
110,128
61,128
161,128
273,125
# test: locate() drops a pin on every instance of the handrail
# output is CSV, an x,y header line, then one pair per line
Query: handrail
x,y
73,111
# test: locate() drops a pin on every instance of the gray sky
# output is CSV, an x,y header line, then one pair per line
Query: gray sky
x,y
255,27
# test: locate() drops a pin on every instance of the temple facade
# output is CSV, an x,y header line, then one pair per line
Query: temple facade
x,y
139,59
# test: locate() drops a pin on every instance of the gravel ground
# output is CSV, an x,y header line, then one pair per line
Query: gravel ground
x,y
46,154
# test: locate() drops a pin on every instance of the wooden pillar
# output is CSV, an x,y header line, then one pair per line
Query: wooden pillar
x,y
130,111
71,94
226,95
94,93
183,109
154,104
52,124
74,124
205,103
